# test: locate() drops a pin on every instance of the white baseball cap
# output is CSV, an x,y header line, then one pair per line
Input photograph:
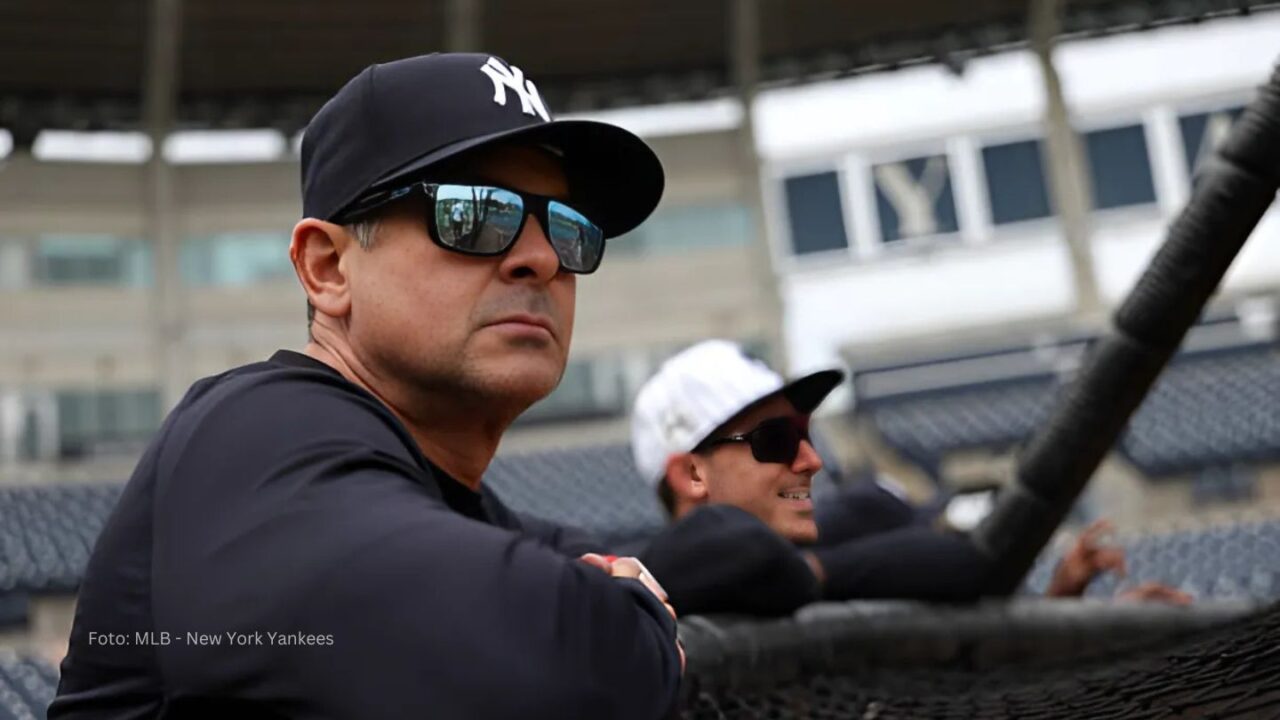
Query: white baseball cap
x,y
703,387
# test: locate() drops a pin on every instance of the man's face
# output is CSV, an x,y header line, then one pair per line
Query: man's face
x,y
493,328
767,490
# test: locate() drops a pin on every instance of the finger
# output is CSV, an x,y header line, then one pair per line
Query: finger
x,y
1140,593
627,567
1110,560
1156,592
683,660
632,567
1171,596
1163,593
597,561
1096,530
655,587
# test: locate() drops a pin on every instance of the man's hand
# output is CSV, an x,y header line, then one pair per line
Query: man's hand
x,y
629,567
1086,560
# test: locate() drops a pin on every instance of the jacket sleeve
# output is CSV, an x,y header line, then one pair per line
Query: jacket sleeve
x,y
721,559
861,509
916,563
350,590
568,541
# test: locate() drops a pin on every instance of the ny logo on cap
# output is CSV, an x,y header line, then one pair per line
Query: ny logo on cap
x,y
504,77
676,426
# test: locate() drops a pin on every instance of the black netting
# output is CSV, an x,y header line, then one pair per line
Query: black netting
x,y
1228,672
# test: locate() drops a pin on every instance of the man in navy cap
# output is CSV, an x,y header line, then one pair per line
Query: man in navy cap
x,y
307,536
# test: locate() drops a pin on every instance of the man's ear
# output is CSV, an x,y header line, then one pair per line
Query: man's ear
x,y
686,478
316,251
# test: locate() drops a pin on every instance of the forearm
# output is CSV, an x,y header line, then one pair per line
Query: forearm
x,y
913,563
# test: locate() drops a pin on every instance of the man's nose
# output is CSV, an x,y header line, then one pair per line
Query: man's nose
x,y
531,257
807,459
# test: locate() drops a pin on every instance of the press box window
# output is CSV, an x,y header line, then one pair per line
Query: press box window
x,y
673,229
236,259
815,214
91,260
90,421
1015,182
1119,167
588,389
914,198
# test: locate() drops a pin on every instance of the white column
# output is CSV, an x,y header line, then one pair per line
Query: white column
x,y
861,217
968,187
160,100
1168,164
744,69
462,25
10,426
1066,166
45,408
15,263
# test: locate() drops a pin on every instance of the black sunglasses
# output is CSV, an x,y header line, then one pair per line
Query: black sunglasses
x,y
484,220
776,440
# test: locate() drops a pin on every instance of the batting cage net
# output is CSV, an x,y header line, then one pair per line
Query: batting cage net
x,y
1230,671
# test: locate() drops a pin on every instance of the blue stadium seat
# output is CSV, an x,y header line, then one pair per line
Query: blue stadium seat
x,y
1208,409
596,489
47,532
27,686
1223,562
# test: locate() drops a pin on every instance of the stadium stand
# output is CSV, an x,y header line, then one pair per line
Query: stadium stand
x,y
27,686
925,427
47,532
596,489
1220,561
1209,409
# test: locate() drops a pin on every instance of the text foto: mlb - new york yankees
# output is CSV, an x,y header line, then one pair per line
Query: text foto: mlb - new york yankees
x,y
230,639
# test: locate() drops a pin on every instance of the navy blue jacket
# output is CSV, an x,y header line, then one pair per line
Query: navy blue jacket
x,y
284,549
871,544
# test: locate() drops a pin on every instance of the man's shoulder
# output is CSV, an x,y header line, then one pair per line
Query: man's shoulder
x,y
721,526
282,404
271,387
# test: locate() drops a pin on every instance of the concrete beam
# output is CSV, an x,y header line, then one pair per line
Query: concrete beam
x,y
744,71
1065,162
160,95
462,25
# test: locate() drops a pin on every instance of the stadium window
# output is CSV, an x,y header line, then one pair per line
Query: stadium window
x,y
914,198
1015,181
1119,167
236,259
815,213
91,260
688,226
1201,133
588,389
90,422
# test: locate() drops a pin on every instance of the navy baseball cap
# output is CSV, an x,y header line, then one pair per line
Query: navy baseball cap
x,y
391,123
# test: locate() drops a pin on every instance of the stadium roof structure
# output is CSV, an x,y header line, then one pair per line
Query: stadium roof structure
x,y
77,64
